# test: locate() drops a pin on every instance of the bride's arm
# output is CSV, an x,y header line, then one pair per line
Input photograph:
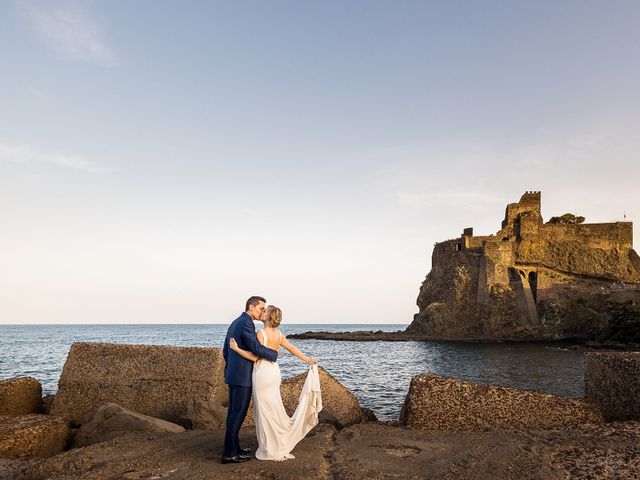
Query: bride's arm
x,y
244,353
296,351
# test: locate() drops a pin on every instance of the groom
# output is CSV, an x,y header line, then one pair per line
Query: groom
x,y
237,375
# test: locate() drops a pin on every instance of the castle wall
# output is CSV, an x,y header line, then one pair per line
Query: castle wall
x,y
596,235
592,250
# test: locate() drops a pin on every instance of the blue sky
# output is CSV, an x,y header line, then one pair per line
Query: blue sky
x,y
162,161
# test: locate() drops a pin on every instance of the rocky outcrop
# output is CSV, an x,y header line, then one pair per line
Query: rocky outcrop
x,y
533,281
375,451
447,404
204,415
357,336
340,407
111,421
362,451
20,396
612,381
149,379
33,435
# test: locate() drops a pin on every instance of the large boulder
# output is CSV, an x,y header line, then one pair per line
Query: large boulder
x,y
149,379
448,404
340,407
111,421
612,381
33,435
204,415
20,396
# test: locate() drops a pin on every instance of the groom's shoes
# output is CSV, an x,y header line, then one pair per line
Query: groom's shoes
x,y
246,450
236,459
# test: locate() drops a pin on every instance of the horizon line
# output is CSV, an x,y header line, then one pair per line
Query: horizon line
x,y
225,323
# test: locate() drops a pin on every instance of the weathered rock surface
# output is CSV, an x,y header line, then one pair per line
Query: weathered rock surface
x,y
340,407
447,404
582,452
33,435
191,455
149,379
612,381
204,415
363,451
20,396
111,421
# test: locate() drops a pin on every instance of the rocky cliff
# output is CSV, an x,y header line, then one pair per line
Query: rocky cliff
x,y
534,281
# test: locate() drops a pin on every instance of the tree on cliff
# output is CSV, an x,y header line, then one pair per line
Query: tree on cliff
x,y
567,218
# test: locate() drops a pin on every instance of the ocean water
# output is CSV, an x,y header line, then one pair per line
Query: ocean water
x,y
378,373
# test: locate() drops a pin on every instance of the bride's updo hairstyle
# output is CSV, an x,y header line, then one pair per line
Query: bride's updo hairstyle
x,y
274,316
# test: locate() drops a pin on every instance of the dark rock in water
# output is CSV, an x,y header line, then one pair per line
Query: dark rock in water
x,y
448,404
359,336
612,381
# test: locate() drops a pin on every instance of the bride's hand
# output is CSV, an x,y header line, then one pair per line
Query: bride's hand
x,y
313,361
233,344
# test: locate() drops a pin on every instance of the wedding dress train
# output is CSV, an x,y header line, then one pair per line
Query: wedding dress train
x,y
278,433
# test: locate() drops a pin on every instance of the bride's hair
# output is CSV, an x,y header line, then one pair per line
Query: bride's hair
x,y
274,316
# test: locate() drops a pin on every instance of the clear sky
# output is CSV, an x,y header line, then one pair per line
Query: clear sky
x,y
162,161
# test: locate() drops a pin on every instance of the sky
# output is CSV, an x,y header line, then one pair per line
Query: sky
x,y
162,161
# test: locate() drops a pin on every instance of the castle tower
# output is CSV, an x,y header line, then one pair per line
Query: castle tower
x,y
529,203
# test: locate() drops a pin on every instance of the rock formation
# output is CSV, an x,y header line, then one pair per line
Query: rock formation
x,y
20,396
111,421
612,381
32,435
533,281
149,379
204,415
448,404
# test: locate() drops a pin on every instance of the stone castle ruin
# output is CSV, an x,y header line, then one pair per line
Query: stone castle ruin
x,y
533,280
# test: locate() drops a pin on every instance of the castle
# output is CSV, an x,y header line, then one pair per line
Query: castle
x,y
525,280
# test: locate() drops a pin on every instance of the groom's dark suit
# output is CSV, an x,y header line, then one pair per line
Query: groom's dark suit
x,y
237,375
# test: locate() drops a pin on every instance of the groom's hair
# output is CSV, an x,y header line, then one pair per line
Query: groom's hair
x,y
253,301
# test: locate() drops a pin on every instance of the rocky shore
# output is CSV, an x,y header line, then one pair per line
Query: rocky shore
x,y
101,425
530,281
613,342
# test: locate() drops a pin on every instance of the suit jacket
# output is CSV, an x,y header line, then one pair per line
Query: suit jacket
x,y
238,370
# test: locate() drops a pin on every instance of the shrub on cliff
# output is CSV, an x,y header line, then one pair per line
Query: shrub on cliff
x,y
567,219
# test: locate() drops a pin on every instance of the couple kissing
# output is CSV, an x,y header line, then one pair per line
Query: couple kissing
x,y
251,369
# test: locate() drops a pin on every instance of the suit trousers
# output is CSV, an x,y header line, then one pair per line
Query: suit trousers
x,y
239,398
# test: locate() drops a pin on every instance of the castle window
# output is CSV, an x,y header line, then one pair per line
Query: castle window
x,y
458,247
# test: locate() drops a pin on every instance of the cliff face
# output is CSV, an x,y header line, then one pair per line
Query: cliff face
x,y
533,281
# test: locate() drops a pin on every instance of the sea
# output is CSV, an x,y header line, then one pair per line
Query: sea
x,y
378,373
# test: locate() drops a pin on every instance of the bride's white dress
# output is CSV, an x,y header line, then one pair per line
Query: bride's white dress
x,y
277,432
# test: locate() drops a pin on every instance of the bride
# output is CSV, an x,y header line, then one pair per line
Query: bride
x,y
278,433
